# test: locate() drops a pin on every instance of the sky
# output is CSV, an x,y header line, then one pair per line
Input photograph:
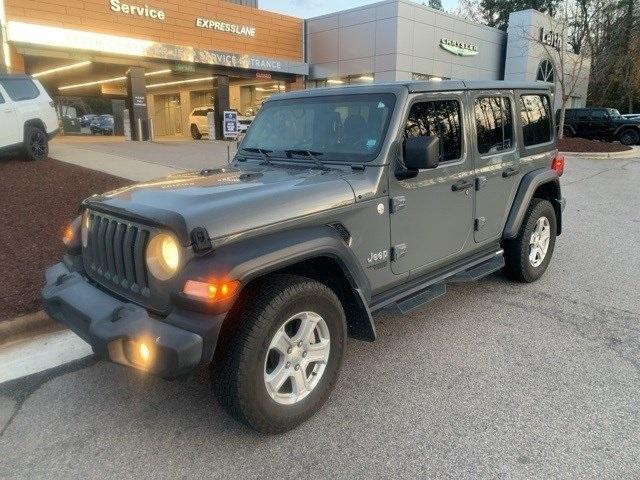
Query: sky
x,y
313,8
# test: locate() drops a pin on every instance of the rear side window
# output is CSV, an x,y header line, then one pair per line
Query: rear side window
x,y
535,115
494,124
20,88
438,118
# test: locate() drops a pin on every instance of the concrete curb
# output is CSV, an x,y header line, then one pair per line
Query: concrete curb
x,y
29,324
634,152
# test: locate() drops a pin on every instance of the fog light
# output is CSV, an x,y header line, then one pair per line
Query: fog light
x,y
144,352
139,353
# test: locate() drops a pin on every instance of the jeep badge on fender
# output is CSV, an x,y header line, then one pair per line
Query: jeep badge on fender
x,y
339,202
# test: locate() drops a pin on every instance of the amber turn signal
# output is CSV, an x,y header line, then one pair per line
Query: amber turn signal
x,y
67,236
211,291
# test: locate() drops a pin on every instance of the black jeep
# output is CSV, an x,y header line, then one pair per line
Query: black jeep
x,y
602,124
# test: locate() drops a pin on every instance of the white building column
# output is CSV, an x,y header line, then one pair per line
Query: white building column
x,y
5,57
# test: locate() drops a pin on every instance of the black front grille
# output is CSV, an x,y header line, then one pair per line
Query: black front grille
x,y
115,253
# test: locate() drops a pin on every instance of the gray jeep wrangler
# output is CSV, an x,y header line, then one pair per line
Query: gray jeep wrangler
x,y
340,202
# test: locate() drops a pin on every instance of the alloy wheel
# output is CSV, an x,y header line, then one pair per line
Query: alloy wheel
x,y
539,242
297,358
38,143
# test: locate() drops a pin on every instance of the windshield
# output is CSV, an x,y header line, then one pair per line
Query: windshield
x,y
344,128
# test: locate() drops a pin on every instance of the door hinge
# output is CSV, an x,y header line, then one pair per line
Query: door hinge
x,y
481,181
398,203
479,223
398,251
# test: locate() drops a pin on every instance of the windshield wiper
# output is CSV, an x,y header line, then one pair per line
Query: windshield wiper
x,y
262,151
309,153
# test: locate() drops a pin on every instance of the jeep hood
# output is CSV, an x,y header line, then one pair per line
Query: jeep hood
x,y
228,201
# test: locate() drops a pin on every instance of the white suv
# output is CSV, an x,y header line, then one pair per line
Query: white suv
x,y
199,125
28,118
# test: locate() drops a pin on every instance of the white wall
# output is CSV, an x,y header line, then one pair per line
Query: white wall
x,y
525,52
393,39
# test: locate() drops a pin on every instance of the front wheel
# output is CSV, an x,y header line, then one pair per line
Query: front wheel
x,y
629,137
36,143
281,363
528,255
195,133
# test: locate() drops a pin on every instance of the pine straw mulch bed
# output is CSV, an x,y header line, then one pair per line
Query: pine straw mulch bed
x,y
38,199
575,144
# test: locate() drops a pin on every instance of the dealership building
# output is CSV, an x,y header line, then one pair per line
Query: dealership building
x,y
160,59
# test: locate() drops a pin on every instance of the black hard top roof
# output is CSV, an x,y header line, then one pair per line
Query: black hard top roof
x,y
420,87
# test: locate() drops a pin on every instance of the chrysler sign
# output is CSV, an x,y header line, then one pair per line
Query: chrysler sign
x,y
462,49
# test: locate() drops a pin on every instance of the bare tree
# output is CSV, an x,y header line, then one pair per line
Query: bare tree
x,y
570,68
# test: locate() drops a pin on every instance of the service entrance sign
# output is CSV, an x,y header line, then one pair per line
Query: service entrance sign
x,y
230,124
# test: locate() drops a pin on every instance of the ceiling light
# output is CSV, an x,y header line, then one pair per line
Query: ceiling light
x,y
335,81
366,78
61,69
193,80
89,84
157,72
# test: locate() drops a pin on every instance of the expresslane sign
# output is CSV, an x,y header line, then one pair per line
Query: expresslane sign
x,y
234,28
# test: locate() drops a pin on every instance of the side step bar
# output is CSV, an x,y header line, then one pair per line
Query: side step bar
x,y
424,291
422,297
479,271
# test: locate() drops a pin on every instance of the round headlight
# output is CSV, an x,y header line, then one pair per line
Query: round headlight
x,y
163,256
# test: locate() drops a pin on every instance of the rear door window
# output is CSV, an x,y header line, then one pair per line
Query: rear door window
x,y
535,116
20,89
438,118
494,124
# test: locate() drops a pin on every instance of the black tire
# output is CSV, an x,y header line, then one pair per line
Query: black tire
x,y
36,143
195,133
240,361
629,136
516,251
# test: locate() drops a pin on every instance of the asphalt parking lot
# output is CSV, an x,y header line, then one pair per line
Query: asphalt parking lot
x,y
494,379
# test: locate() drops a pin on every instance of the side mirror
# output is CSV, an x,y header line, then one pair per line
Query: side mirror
x,y
421,152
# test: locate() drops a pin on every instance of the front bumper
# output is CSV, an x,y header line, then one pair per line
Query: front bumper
x,y
115,328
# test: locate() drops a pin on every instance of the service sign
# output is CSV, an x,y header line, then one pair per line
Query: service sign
x,y
230,124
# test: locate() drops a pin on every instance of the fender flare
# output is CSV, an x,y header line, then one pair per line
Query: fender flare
x,y
249,259
528,186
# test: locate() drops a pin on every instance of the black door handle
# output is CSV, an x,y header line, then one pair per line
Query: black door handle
x,y
461,185
510,172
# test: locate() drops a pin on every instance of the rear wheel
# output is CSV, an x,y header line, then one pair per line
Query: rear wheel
x,y
528,255
280,365
629,137
195,133
36,143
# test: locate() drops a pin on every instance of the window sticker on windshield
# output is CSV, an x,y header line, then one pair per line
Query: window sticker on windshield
x,y
381,105
371,143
